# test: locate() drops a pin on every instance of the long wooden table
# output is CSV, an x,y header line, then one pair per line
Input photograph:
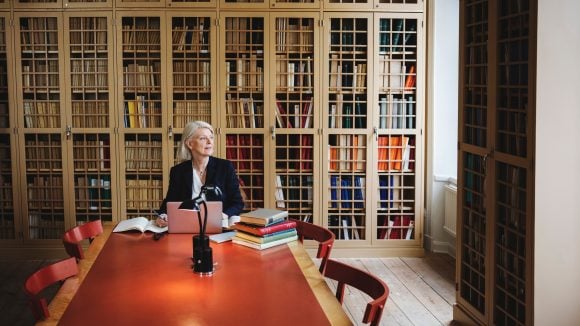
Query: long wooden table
x,y
130,279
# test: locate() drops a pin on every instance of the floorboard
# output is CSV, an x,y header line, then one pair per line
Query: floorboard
x,y
422,290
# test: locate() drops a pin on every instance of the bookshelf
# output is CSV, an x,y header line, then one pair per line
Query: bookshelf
x,y
295,101
90,98
140,58
7,139
102,96
496,162
243,58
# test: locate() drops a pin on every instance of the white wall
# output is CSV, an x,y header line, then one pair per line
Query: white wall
x,y
557,193
441,162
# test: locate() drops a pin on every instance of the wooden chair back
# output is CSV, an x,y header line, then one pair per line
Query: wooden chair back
x,y
73,237
44,277
363,281
323,236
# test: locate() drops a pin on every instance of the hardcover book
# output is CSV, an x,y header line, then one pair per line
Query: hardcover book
x,y
267,237
263,230
263,216
262,246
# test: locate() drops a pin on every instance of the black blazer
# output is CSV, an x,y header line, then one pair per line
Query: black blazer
x,y
220,173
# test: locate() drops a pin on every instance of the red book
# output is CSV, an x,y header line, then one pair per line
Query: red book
x,y
260,231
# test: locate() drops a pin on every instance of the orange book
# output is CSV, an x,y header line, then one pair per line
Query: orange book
x,y
410,80
395,153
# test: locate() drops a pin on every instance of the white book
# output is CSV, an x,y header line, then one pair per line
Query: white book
x,y
345,235
140,223
279,194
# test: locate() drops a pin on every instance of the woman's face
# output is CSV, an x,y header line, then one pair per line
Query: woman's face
x,y
201,143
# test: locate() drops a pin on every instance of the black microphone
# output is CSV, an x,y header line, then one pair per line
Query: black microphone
x,y
202,252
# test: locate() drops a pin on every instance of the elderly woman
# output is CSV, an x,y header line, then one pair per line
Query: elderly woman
x,y
200,168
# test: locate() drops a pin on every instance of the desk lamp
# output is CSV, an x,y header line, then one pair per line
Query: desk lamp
x,y
202,252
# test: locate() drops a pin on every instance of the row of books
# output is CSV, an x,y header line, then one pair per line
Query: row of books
x,y
143,155
397,34
186,111
45,191
245,73
142,35
246,151
192,74
294,34
91,154
397,228
140,113
345,227
347,114
43,154
244,113
396,153
41,114
293,116
89,74
347,191
93,192
90,114
347,75
294,191
45,226
143,194
144,77
346,153
396,113
244,34
195,39
264,228
294,75
396,75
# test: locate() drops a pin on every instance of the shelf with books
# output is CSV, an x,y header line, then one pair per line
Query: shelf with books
x,y
294,165
92,177
294,69
40,75
143,173
7,230
44,180
140,59
89,66
191,68
348,58
243,57
246,152
5,45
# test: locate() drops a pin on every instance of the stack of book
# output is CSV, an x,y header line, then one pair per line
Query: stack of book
x,y
264,228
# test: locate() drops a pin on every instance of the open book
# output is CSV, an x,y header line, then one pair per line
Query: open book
x,y
139,224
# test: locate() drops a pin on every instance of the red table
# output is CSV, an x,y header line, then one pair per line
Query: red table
x,y
138,281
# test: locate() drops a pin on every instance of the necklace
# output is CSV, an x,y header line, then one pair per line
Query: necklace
x,y
201,172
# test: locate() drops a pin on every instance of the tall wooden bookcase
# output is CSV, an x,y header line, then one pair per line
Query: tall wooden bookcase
x,y
319,105
496,162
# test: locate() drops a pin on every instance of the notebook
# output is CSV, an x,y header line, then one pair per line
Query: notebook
x,y
186,221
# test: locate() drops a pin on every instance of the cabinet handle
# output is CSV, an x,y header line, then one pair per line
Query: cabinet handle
x,y
273,132
68,131
170,132
376,132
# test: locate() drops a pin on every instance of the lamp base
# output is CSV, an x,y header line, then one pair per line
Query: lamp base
x,y
202,255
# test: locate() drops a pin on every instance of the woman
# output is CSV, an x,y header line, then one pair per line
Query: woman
x,y
200,168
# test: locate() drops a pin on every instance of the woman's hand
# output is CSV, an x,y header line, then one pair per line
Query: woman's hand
x,y
161,221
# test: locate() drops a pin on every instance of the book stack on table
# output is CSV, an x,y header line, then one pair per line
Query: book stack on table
x,y
264,228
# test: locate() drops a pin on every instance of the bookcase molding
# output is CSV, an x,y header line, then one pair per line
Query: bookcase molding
x,y
124,77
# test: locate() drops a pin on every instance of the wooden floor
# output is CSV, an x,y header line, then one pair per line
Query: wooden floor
x,y
422,290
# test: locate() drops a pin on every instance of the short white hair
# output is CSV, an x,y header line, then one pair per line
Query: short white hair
x,y
184,153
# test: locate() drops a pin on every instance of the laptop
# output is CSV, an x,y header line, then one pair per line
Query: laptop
x,y
186,221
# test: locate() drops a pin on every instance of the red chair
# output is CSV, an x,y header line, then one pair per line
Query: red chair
x,y
323,236
44,277
363,281
73,237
